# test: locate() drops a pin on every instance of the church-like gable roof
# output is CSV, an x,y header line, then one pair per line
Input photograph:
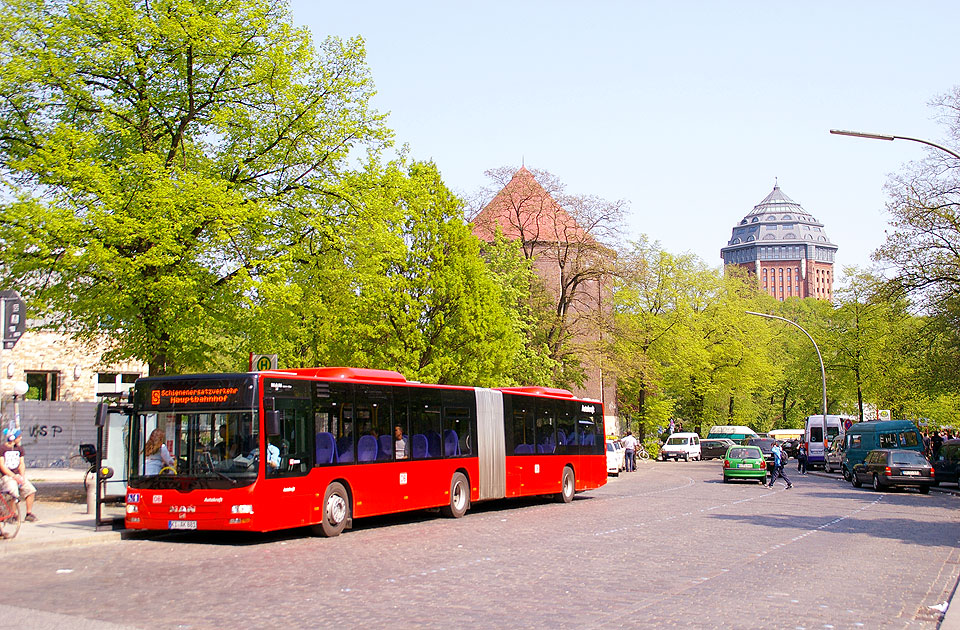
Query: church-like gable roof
x,y
525,211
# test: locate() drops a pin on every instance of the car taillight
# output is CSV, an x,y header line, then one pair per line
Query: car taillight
x,y
763,463
887,472
726,463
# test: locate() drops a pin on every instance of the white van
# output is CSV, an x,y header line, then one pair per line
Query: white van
x,y
685,445
813,436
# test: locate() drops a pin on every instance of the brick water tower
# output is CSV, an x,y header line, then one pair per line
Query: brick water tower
x,y
784,248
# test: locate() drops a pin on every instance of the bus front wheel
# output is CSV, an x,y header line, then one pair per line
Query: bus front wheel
x,y
336,510
459,497
567,486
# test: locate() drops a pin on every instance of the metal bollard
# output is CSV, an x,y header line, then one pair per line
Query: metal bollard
x,y
92,495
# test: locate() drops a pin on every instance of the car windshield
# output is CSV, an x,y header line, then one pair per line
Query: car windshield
x,y
744,453
678,440
609,447
908,458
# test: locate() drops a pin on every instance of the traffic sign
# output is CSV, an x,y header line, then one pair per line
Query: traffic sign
x,y
263,362
883,414
14,316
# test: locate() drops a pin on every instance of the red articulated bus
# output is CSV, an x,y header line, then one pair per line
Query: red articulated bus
x,y
345,443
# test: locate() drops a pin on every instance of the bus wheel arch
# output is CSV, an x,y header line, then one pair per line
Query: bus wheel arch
x,y
568,485
459,496
336,510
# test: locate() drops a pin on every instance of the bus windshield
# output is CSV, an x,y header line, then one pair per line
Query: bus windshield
x,y
196,449
194,432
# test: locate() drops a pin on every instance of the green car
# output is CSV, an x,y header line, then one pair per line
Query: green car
x,y
744,462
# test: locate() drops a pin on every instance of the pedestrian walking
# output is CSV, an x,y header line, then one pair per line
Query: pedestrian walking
x,y
630,446
802,459
778,461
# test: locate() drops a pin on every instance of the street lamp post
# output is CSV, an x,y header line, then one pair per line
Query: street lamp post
x,y
880,136
823,372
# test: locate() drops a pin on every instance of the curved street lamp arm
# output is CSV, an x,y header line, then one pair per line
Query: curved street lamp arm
x,y
878,136
823,372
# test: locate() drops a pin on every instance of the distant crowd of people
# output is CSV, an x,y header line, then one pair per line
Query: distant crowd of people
x,y
933,442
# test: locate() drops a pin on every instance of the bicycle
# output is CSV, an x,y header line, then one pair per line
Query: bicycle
x,y
11,516
642,453
88,453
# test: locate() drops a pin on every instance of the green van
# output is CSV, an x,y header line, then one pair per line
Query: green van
x,y
863,437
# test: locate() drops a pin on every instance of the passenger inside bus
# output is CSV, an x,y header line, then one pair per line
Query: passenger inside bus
x,y
400,446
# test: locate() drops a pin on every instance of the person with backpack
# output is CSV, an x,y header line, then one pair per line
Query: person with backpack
x,y
778,461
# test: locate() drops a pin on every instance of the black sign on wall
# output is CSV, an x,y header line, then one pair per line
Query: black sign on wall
x,y
14,318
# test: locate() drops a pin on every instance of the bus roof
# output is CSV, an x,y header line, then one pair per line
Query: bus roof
x,y
348,373
539,391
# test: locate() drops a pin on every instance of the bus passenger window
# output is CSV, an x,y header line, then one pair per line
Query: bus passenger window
x,y
545,434
333,423
458,420
425,425
888,440
566,429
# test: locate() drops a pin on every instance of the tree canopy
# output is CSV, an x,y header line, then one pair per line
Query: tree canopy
x,y
160,157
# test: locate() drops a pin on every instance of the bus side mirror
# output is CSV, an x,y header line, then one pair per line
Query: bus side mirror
x,y
101,419
271,422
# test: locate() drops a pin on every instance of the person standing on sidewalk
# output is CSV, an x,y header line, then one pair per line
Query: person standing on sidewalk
x,y
778,461
802,459
15,482
630,446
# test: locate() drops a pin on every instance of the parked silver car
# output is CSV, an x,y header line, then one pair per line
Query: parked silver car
x,y
833,458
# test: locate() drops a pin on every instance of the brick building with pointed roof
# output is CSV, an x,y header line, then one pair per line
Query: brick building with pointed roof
x,y
559,249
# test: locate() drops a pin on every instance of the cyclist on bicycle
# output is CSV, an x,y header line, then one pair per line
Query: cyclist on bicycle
x,y
15,482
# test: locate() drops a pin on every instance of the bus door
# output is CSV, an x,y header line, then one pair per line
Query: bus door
x,y
522,445
289,452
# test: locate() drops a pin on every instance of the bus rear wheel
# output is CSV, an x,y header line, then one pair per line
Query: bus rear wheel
x,y
459,497
567,486
336,511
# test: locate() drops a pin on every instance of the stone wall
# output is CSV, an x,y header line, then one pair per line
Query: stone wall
x,y
77,364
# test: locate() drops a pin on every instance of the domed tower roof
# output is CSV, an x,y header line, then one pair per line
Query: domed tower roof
x,y
777,220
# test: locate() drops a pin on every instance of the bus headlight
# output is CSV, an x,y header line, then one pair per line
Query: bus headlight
x,y
132,509
241,509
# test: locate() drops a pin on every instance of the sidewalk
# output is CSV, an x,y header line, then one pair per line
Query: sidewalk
x,y
61,512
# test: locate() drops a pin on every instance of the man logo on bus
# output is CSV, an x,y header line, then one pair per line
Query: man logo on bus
x,y
155,397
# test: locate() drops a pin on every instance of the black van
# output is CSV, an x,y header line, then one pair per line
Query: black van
x,y
946,466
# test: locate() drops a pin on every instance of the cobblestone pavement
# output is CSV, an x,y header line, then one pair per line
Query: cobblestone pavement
x,y
669,546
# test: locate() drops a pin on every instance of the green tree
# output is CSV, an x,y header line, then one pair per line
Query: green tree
x,y
685,346
399,283
160,158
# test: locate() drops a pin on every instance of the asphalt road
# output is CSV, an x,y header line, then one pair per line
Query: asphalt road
x,y
669,546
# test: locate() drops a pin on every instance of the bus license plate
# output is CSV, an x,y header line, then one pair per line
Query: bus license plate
x,y
182,524
912,472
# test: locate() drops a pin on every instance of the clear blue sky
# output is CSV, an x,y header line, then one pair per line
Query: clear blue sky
x,y
686,110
